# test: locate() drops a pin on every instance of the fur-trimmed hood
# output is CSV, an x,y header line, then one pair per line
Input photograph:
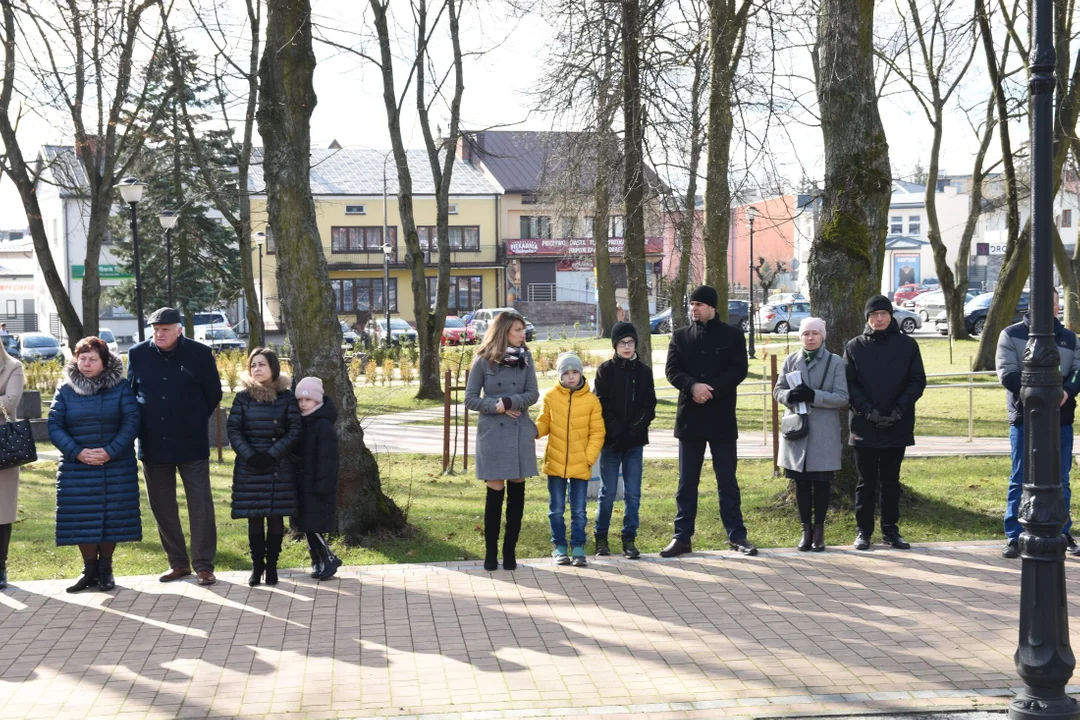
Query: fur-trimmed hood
x,y
109,378
265,393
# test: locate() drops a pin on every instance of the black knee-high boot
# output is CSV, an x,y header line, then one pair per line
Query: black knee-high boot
x,y
273,550
515,508
257,543
492,521
5,541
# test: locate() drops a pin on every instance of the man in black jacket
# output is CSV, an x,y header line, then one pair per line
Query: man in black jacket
x,y
885,378
177,384
624,385
706,362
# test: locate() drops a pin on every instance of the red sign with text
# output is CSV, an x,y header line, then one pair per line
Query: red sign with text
x,y
576,246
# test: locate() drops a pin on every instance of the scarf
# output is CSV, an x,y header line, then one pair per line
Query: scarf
x,y
305,414
515,357
809,355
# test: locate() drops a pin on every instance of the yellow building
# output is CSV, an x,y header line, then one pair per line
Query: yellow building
x,y
348,186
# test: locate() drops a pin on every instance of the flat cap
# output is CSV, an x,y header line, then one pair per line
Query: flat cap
x,y
165,316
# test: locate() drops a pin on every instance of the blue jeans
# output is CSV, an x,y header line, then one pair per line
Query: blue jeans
x,y
1016,480
579,490
610,462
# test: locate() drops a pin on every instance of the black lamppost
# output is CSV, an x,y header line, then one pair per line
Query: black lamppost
x,y
131,190
751,215
386,249
1044,659
168,220
260,238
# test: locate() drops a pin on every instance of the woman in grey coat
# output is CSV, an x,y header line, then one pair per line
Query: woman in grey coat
x,y
812,460
501,387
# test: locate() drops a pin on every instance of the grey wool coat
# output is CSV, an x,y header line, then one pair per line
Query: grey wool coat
x,y
505,447
819,450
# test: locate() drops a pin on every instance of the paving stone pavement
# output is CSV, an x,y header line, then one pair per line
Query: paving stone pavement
x,y
703,636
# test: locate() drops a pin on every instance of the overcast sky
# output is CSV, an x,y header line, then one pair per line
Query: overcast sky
x,y
350,107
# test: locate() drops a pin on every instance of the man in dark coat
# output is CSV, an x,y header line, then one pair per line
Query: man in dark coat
x,y
706,362
885,378
177,385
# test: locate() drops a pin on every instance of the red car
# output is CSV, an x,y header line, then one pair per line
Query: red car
x,y
456,332
908,292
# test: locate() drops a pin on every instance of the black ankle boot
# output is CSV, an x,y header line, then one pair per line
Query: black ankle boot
x,y
106,581
317,560
88,579
258,559
492,521
807,538
515,508
3,576
273,551
819,537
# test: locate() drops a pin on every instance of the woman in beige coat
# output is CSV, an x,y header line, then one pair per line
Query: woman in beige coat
x,y
11,389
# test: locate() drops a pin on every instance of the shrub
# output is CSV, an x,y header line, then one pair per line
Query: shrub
x,y
229,367
405,368
370,371
355,368
387,370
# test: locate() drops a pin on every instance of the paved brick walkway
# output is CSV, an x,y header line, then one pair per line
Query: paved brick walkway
x,y
712,635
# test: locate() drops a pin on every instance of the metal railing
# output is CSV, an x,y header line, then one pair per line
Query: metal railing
x,y
542,292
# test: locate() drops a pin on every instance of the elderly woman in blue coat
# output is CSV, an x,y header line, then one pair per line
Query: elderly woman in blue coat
x,y
93,423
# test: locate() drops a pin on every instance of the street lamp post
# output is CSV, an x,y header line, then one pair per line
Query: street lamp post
x,y
260,238
168,220
387,249
751,215
1044,658
131,190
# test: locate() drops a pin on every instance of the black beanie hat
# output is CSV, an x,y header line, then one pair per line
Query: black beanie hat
x,y
623,330
705,294
878,302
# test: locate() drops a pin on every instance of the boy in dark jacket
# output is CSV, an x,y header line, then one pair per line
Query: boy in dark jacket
x,y
318,477
624,386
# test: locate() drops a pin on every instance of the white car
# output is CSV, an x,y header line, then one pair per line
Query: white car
x,y
107,335
219,338
209,318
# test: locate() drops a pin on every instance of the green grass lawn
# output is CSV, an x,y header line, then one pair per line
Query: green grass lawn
x,y
958,498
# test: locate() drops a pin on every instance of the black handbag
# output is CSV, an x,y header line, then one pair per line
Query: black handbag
x,y
17,445
797,426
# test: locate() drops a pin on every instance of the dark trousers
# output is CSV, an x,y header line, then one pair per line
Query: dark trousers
x,y
161,492
691,458
878,468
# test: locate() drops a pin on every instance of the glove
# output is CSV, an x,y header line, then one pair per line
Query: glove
x,y
261,461
886,421
875,417
801,393
897,413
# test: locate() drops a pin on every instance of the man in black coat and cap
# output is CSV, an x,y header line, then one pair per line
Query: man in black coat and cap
x,y
706,362
885,378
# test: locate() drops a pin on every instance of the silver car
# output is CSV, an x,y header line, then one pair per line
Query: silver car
x,y
782,317
908,321
929,304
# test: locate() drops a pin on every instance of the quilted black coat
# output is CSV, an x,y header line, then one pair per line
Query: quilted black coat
x,y
264,418
318,476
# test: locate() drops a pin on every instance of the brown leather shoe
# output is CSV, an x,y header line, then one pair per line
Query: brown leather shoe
x,y
175,574
206,577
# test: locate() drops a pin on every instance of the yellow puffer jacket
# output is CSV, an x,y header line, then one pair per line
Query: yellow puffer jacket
x,y
575,422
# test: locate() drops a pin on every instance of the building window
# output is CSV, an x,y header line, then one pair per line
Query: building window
x,y
355,210
566,226
535,226
359,239
587,226
896,225
617,226
466,293
452,209
913,225
12,308
462,237
1066,218
353,294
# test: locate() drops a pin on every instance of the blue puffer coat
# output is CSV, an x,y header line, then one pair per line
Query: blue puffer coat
x,y
96,503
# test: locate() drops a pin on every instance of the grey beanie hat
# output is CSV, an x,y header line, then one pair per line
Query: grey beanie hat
x,y
568,361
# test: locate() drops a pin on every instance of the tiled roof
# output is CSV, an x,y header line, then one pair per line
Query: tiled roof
x,y
67,173
359,171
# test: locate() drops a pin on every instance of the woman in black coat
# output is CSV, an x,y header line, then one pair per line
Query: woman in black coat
x,y
264,425
318,476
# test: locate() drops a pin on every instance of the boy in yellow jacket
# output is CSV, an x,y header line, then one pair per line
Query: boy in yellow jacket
x,y
572,417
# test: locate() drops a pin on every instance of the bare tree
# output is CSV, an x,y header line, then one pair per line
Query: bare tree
x,y
286,101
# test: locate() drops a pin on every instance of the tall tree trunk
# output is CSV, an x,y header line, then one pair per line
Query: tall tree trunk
x,y
717,230
605,285
637,281
847,255
286,101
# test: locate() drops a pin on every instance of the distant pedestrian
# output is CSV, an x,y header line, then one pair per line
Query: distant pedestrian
x,y
812,459
573,421
624,386
317,479
1011,346
3,330
93,422
885,379
501,388
178,387
706,362
12,381
264,425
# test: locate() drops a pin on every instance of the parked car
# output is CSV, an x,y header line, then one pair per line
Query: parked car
x,y
929,304
400,331
11,344
781,298
975,314
660,323
37,346
219,339
782,317
349,336
909,291
482,318
908,321
211,318
456,332
107,335
738,314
